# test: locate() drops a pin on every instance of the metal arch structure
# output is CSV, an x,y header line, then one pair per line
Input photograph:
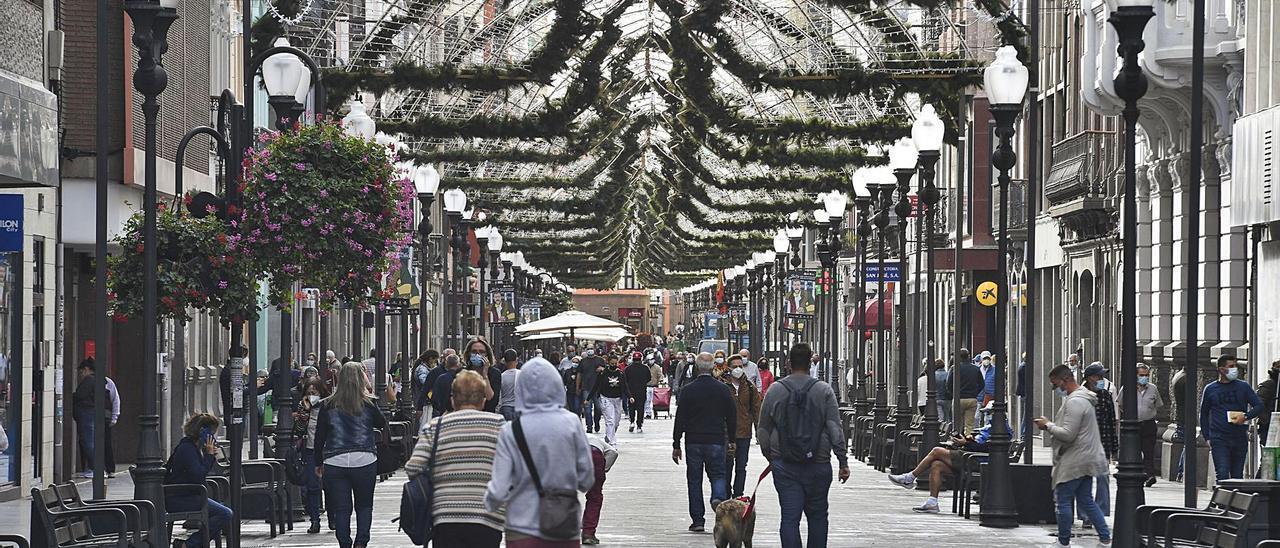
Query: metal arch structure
x,y
672,207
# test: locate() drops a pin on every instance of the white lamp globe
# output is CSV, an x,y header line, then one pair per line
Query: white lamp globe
x,y
282,71
1005,79
903,155
835,203
304,84
768,256
426,180
357,122
455,200
926,132
495,240
780,242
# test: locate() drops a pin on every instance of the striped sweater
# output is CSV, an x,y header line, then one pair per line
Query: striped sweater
x,y
468,440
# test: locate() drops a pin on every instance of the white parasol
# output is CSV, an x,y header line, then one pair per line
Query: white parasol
x,y
567,322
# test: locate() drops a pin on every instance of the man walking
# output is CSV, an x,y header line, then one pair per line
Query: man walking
x,y
1077,454
1149,403
1225,409
109,447
84,414
589,368
751,369
706,416
637,376
1104,410
507,397
799,430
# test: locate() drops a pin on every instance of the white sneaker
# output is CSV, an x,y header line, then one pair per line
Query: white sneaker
x,y
86,474
927,508
901,479
639,429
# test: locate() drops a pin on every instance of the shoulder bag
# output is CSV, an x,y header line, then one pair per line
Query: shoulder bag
x,y
558,509
416,517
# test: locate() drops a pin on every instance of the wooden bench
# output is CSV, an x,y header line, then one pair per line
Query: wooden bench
x,y
1222,524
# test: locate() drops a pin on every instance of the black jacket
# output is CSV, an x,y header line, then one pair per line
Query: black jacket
x,y
969,379
637,379
611,383
707,412
1267,393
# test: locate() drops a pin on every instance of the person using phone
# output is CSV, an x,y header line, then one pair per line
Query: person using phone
x,y
945,461
189,463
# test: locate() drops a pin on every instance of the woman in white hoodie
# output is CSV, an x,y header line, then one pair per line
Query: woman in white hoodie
x,y
558,447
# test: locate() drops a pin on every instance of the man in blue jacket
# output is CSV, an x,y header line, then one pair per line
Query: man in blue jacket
x,y
707,417
1225,409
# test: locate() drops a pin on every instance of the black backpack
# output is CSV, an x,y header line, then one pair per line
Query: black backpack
x,y
799,431
416,498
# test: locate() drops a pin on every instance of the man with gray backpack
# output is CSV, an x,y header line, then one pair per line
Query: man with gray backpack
x,y
799,430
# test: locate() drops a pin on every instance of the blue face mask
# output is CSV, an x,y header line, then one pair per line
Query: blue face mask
x,y
1144,380
1233,373
477,360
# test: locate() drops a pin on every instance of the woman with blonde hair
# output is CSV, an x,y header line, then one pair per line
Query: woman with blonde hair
x,y
464,443
345,443
189,463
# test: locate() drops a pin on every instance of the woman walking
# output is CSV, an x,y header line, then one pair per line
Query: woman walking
x,y
467,441
345,441
552,440
307,416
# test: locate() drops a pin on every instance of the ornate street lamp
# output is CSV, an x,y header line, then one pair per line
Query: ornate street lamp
x,y
926,135
464,274
795,231
902,159
781,245
881,221
834,204
766,264
151,22
482,266
426,182
862,199
1129,18
455,200
288,82
1006,86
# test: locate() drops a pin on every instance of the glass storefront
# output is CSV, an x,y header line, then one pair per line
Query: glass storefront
x,y
10,379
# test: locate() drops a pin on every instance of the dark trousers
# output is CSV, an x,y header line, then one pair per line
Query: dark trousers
x,y
1147,431
636,411
84,437
312,487
464,535
700,457
109,450
219,516
595,497
1228,458
802,489
736,466
349,489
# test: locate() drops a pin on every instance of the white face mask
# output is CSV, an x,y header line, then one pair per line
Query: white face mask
x,y
738,373
314,399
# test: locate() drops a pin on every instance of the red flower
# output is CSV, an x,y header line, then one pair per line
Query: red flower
x,y
120,318
139,248
186,200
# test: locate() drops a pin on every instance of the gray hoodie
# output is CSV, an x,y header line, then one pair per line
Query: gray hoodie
x,y
1077,447
556,442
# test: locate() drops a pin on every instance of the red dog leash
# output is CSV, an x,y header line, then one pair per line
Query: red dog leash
x,y
751,502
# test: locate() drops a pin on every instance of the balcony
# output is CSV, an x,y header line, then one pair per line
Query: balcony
x,y
1017,221
1080,184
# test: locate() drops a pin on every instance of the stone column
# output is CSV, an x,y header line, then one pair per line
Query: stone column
x,y
1233,317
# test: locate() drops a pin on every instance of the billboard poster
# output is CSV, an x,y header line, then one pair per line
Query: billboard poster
x,y
502,306
737,320
799,297
530,311
795,324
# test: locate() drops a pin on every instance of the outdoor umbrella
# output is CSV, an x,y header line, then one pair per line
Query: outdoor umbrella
x,y
568,322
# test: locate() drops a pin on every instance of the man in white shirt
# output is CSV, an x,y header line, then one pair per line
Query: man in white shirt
x,y
109,449
1149,404
750,368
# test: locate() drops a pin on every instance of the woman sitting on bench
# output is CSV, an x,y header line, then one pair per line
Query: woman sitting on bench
x,y
188,465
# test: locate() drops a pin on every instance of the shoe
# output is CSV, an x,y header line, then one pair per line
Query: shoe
x,y
631,428
901,479
87,474
589,540
927,508
1151,481
639,429
315,528
697,528
1087,525
1106,543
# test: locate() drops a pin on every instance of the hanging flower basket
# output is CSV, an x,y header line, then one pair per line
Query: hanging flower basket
x,y
197,270
326,210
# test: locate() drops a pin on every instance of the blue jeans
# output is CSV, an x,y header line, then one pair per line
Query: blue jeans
x,y
588,409
1228,458
219,515
84,427
341,487
737,465
709,457
1068,495
1102,496
312,487
802,488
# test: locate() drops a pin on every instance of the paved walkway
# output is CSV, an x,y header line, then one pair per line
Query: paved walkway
x,y
645,506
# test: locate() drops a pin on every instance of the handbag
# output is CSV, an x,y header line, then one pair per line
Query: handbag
x,y
416,518
558,509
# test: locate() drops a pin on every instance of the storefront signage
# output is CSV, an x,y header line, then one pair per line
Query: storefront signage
x,y
889,272
10,223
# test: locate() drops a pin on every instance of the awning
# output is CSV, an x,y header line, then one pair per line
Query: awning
x,y
872,311
613,334
1065,179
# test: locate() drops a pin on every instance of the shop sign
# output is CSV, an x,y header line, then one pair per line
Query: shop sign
x,y
10,223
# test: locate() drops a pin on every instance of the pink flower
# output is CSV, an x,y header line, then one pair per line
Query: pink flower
x,y
300,166
222,284
269,177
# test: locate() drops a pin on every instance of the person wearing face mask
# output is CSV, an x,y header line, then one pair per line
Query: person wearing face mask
x,y
685,372
1225,409
589,369
1077,454
637,392
1104,410
747,399
610,388
306,416
1149,405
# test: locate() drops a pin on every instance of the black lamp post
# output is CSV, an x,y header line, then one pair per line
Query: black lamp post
x,y
482,268
426,181
902,159
464,273
881,221
833,204
151,22
862,201
1006,85
1129,19
926,135
455,200
781,245
820,301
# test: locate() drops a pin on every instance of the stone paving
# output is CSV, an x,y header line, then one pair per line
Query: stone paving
x,y
645,506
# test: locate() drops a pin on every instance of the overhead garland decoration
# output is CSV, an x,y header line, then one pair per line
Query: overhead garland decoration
x,y
324,209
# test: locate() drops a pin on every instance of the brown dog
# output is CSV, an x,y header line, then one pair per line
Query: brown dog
x,y
733,530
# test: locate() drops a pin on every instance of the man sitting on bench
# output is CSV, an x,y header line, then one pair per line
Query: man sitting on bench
x,y
946,461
